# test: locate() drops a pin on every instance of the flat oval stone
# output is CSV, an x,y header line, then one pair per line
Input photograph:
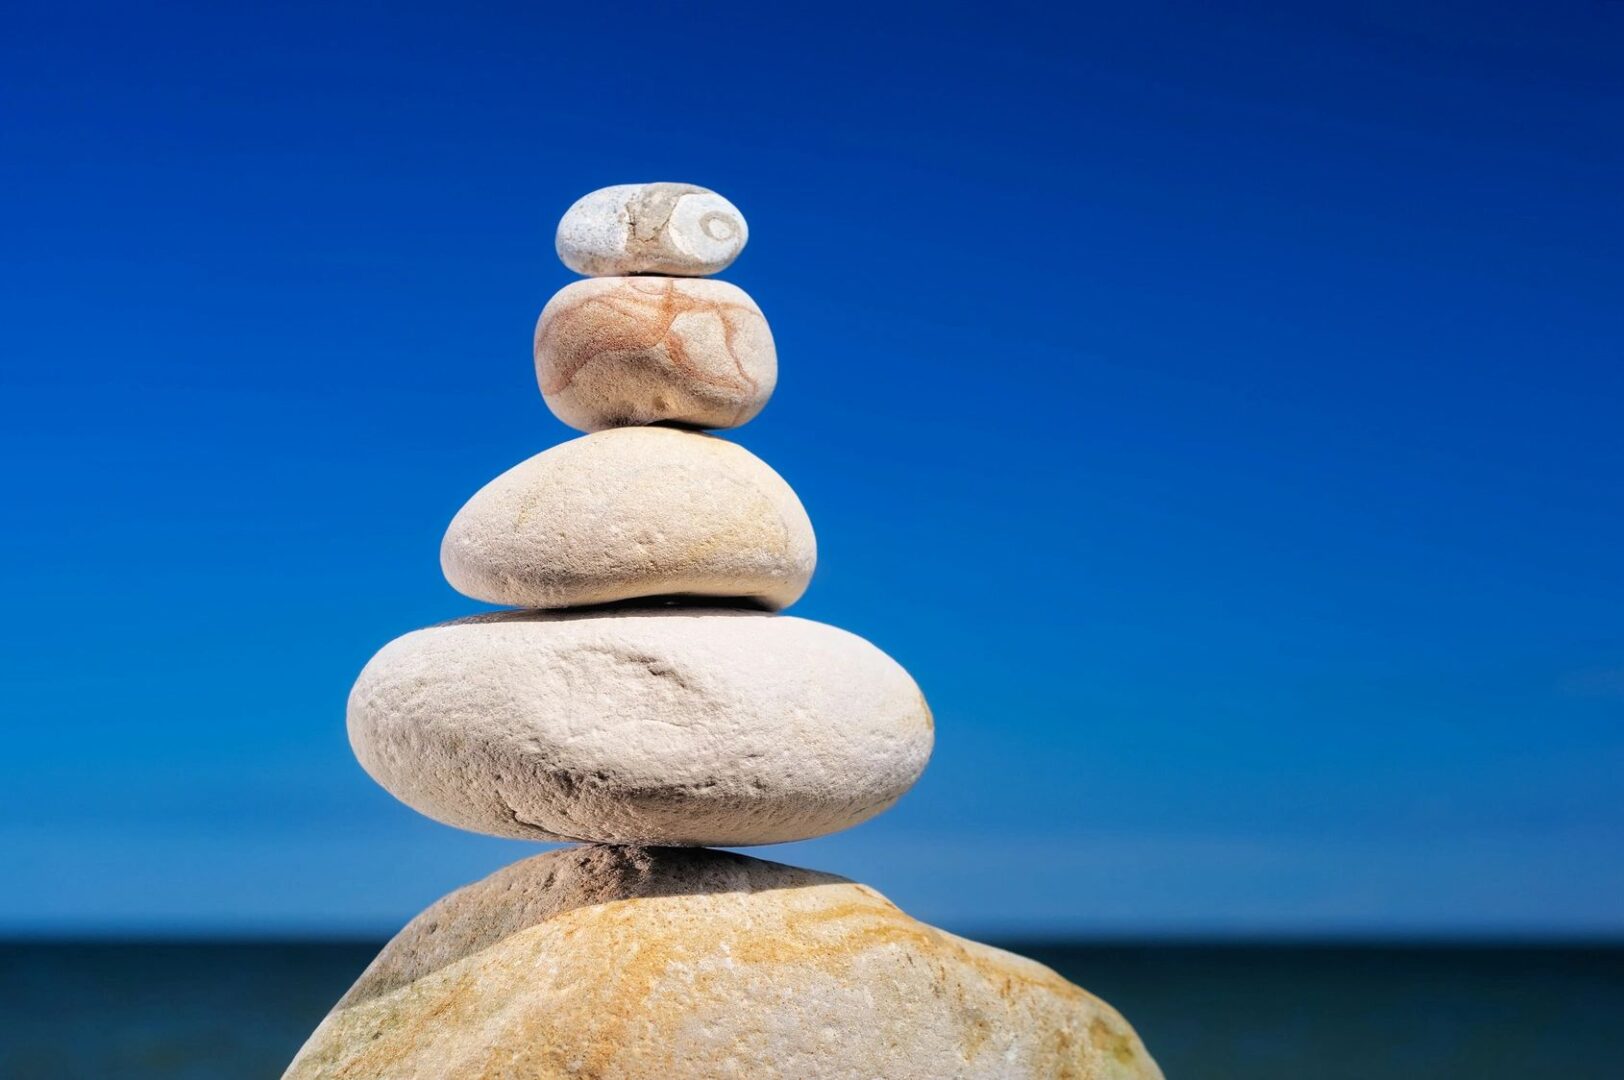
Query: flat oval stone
x,y
641,964
662,228
612,352
670,726
629,514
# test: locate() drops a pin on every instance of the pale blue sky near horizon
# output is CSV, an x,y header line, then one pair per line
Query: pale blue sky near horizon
x,y
1216,411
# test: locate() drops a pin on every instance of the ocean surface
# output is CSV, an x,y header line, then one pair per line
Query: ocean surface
x,y
1231,1012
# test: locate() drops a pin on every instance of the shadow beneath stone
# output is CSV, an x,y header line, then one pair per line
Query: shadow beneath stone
x,y
675,606
542,887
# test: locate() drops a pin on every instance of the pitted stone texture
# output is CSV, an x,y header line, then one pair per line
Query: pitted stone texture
x,y
676,229
677,726
613,352
630,514
649,964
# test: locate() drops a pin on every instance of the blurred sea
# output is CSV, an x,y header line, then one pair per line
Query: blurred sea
x,y
1226,1012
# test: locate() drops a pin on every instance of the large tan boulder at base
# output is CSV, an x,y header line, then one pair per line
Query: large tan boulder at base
x,y
630,514
664,964
679,726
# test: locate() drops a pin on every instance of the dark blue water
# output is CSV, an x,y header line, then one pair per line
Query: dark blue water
x,y
211,1012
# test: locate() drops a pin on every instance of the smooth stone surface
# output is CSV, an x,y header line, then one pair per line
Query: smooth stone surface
x,y
659,228
684,726
629,514
612,352
629,964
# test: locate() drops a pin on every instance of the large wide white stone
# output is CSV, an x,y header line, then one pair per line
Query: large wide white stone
x,y
629,514
611,352
658,228
628,964
668,726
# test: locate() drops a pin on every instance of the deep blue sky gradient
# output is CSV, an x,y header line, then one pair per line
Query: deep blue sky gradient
x,y
1218,411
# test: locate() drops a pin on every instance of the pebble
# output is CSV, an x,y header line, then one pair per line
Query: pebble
x,y
612,352
662,228
669,726
629,514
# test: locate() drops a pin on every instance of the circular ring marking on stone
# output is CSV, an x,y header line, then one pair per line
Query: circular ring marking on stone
x,y
719,226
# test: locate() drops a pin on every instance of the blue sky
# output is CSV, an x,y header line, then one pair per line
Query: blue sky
x,y
1218,413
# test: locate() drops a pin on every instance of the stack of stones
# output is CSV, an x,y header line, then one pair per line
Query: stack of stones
x,y
645,702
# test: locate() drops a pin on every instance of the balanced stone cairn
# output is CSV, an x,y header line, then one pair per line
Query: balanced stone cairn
x,y
645,703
